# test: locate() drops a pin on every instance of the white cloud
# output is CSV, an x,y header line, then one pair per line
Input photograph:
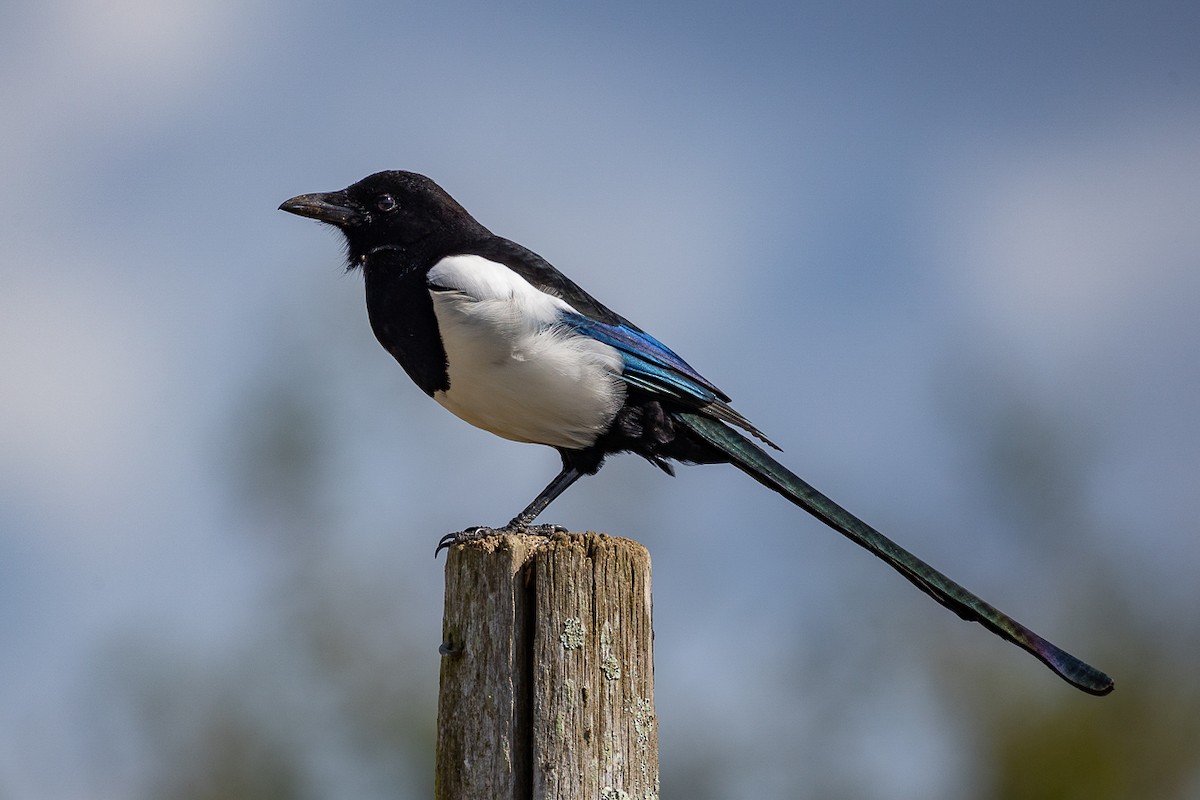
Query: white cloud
x,y
84,70
1063,241
140,39
78,374
78,348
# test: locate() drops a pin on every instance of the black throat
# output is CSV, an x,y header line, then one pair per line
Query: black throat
x,y
401,313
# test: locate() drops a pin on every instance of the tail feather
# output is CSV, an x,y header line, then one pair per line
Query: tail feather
x,y
755,462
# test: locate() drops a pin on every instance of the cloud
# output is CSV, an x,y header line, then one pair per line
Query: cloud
x,y
1064,240
78,346
78,376
80,72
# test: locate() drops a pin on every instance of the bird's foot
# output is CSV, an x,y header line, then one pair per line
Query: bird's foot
x,y
546,529
483,531
464,536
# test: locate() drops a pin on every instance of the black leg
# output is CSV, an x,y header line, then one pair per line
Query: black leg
x,y
557,486
521,521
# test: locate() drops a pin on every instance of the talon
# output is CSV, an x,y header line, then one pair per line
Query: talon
x,y
547,530
443,543
465,535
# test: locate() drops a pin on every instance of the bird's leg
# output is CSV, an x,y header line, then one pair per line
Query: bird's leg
x,y
521,522
561,481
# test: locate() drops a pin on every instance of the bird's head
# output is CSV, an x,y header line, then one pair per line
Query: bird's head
x,y
388,210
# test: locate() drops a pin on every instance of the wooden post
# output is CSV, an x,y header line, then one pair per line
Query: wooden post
x,y
547,681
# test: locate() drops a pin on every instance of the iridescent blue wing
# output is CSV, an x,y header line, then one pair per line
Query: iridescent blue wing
x,y
653,367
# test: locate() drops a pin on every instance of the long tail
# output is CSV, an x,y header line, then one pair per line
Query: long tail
x,y
752,460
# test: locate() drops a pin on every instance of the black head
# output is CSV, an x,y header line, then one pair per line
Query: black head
x,y
394,209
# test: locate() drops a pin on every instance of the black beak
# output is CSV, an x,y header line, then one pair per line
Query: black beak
x,y
331,207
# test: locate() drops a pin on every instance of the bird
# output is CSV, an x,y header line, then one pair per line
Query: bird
x,y
504,340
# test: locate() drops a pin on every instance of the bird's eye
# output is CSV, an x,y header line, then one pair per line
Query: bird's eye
x,y
385,202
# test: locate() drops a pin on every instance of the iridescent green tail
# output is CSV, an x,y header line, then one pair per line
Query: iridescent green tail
x,y
752,460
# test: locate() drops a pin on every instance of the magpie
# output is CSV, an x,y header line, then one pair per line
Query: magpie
x,y
498,336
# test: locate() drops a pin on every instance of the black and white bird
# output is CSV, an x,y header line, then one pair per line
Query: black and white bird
x,y
498,336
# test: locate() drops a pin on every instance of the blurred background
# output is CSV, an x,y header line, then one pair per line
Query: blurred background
x,y
946,254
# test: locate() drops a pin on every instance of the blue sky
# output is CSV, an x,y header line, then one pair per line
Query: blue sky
x,y
874,225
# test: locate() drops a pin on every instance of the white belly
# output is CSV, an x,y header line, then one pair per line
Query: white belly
x,y
511,369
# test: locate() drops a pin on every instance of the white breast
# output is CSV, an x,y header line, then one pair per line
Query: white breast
x,y
513,369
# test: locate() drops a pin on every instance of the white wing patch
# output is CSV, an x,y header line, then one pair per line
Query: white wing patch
x,y
514,369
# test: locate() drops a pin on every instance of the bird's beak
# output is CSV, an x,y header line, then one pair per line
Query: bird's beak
x,y
331,207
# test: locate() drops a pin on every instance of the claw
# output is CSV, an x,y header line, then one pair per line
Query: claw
x,y
483,531
466,535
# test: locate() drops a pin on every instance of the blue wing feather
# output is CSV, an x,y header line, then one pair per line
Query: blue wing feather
x,y
651,366
648,362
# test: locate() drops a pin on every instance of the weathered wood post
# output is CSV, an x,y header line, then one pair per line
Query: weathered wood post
x,y
547,680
